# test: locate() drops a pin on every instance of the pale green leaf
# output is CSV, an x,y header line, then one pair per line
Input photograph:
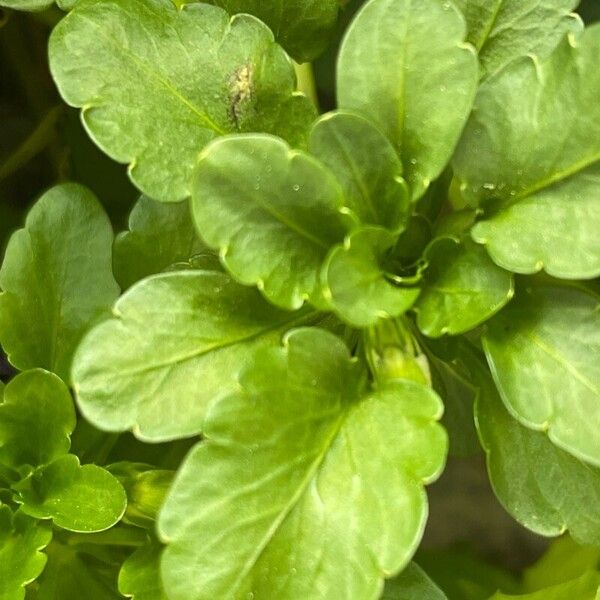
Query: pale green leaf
x,y
176,343
356,285
36,419
78,498
503,30
563,560
160,235
21,540
312,483
536,181
544,351
412,584
404,65
302,27
462,288
255,183
366,165
543,487
55,285
29,5
140,574
157,83
586,587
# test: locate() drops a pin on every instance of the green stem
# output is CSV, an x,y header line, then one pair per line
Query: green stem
x,y
306,82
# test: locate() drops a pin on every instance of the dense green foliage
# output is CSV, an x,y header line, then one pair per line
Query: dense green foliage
x,y
312,306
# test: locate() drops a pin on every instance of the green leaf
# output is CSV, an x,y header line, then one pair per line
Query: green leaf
x,y
159,236
286,482
367,167
356,285
462,288
21,561
29,5
255,182
404,65
56,279
302,27
538,183
543,487
586,587
563,560
176,343
544,352
140,575
78,498
173,79
503,30
36,419
412,584
74,575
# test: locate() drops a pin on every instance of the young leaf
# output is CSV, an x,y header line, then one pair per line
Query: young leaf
x,y
245,184
139,577
36,420
287,482
173,79
366,165
78,498
585,587
543,487
159,236
413,583
177,342
462,288
302,27
544,352
503,30
537,181
21,540
56,279
355,283
404,65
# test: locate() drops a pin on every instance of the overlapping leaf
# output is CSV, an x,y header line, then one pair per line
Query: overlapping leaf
x,y
538,182
56,279
544,350
157,83
543,487
356,284
412,584
255,183
404,65
177,342
587,586
160,235
503,30
139,577
462,288
312,482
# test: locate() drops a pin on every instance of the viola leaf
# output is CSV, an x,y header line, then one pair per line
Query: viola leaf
x,y
586,586
543,487
357,287
404,65
302,27
28,5
37,418
503,30
139,577
21,559
174,79
78,498
538,183
255,182
367,167
176,343
462,288
55,286
160,235
413,583
544,352
288,463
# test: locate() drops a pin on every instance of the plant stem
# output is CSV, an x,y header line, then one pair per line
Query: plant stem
x,y
306,82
